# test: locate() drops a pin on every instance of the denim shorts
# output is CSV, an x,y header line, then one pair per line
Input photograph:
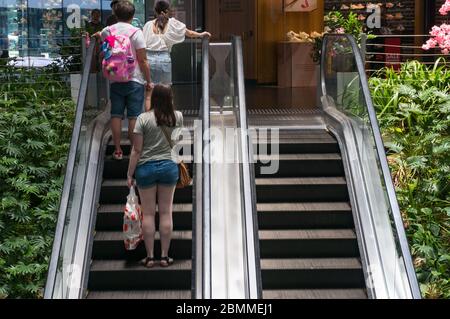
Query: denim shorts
x,y
160,66
129,96
154,173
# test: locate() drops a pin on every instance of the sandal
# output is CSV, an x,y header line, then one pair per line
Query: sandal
x,y
148,262
166,261
118,155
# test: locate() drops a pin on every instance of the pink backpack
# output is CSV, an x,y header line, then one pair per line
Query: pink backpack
x,y
118,63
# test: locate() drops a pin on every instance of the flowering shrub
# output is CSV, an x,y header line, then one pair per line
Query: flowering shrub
x,y
440,35
445,8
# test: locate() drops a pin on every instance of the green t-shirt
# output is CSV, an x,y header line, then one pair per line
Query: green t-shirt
x,y
156,147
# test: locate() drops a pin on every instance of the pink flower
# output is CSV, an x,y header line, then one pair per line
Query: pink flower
x,y
340,31
445,8
440,38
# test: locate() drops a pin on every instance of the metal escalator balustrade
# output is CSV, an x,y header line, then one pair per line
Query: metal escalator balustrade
x,y
88,257
233,253
350,116
69,252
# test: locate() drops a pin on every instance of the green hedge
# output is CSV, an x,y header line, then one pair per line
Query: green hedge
x,y
36,118
413,107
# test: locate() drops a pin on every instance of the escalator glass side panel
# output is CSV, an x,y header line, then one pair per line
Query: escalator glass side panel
x,y
66,264
345,90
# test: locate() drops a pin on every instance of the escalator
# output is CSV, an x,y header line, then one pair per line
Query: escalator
x,y
116,273
324,224
328,218
307,241
89,259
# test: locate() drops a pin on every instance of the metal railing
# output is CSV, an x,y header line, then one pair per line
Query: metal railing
x,y
69,176
409,48
202,222
351,115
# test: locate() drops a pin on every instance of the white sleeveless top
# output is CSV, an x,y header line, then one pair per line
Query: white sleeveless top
x,y
174,33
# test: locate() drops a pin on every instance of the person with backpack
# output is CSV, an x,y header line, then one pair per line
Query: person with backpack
x,y
161,35
125,65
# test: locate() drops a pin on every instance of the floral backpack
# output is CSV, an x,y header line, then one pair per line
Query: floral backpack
x,y
118,62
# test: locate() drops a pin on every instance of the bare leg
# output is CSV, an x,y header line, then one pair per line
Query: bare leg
x,y
165,206
116,128
148,205
131,125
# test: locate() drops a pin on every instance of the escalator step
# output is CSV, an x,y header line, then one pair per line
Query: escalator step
x,y
298,146
137,294
315,294
319,189
320,243
301,165
125,275
304,216
118,169
116,192
110,217
110,246
319,273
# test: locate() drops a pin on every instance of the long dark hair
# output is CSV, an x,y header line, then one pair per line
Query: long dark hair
x,y
162,105
162,14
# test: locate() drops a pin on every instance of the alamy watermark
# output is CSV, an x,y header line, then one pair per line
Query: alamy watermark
x,y
227,146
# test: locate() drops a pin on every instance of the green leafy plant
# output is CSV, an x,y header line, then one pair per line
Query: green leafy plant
x,y
413,106
36,118
338,23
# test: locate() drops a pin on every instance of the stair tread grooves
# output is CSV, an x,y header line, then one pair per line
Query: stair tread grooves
x,y
118,235
137,294
304,207
300,157
117,208
310,263
116,183
123,265
315,293
307,234
301,181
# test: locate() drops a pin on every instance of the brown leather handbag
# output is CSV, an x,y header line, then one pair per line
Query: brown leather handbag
x,y
184,179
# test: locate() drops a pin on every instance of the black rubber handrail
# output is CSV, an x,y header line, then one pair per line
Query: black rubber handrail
x,y
65,196
403,242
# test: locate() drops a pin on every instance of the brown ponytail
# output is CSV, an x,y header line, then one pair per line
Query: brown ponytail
x,y
162,14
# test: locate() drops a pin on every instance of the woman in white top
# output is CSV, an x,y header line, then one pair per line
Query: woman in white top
x,y
160,35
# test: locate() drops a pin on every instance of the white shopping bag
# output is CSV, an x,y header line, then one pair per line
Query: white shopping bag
x,y
132,221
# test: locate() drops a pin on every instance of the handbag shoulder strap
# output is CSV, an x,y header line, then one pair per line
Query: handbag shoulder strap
x,y
166,134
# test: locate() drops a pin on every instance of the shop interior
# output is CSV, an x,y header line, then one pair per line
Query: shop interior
x,y
35,27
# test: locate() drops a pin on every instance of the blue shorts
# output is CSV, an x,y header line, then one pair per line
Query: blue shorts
x,y
129,96
160,67
154,173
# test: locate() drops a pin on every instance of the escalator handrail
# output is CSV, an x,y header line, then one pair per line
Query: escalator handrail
x,y
250,221
206,177
398,222
70,166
